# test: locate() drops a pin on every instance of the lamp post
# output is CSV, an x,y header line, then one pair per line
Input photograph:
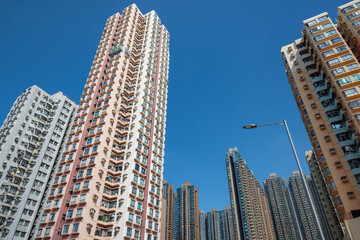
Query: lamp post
x,y
251,126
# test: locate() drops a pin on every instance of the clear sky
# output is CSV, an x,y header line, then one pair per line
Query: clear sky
x,y
225,71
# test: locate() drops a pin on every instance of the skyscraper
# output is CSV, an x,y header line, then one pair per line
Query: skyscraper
x,y
186,215
202,225
113,159
167,213
219,225
249,205
31,141
305,215
324,197
323,72
281,208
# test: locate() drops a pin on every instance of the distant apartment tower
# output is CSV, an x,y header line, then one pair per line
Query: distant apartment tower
x,y
220,225
113,160
304,213
202,225
167,213
31,141
186,214
249,205
324,73
324,198
281,208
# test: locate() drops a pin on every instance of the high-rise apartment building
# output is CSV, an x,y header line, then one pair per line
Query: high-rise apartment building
x,y
186,214
31,140
219,225
324,198
113,159
202,225
281,208
249,204
167,213
304,213
324,73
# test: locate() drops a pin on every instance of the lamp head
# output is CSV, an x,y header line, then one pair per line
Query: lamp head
x,y
250,126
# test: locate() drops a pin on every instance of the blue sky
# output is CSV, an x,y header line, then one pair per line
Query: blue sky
x,y
225,71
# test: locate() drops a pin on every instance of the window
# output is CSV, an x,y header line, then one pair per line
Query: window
x,y
352,66
354,104
86,184
318,37
346,57
75,227
79,212
65,229
350,92
52,217
326,25
70,213
131,217
39,232
338,71
324,44
311,23
331,32
328,53
356,77
335,40
129,232
341,48
333,61
47,231
82,198
43,218
344,81
77,186
132,203
138,220
48,204
56,203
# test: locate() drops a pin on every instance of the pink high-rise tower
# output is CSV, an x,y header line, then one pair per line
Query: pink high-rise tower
x,y
109,179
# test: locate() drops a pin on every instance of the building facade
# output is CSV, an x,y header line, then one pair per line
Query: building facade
x,y
31,140
167,213
113,158
327,209
304,213
323,72
219,225
186,213
281,208
202,225
249,204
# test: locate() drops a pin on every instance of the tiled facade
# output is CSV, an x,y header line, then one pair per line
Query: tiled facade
x,y
249,204
113,158
31,140
323,72
281,208
324,198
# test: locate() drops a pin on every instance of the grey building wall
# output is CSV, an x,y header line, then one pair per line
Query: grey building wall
x,y
31,140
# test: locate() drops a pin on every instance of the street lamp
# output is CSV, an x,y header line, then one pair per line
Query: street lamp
x,y
251,126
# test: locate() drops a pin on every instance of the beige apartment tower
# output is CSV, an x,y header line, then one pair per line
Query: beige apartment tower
x,y
323,72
